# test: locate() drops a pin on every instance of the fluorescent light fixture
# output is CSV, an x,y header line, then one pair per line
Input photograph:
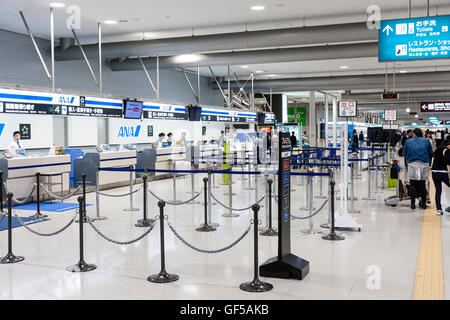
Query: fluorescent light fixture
x,y
272,75
187,58
110,22
57,5
257,7
244,67
149,35
408,110
259,71
343,67
403,71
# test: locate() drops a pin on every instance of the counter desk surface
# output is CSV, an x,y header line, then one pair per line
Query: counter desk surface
x,y
22,173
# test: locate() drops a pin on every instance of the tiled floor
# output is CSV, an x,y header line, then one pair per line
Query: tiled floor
x,y
388,242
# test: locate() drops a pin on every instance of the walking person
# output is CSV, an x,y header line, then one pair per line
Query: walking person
x,y
418,152
439,171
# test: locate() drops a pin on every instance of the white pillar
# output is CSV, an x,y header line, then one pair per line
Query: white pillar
x,y
326,120
312,118
335,122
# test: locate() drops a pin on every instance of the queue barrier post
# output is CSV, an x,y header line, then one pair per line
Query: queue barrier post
x,y
10,257
131,208
230,194
205,227
332,236
81,266
38,214
270,232
210,203
97,199
310,196
352,181
369,171
256,285
193,185
144,222
163,276
84,211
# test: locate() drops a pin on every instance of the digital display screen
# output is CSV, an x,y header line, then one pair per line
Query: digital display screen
x,y
133,109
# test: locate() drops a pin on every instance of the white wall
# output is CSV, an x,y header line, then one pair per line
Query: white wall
x,y
41,130
82,131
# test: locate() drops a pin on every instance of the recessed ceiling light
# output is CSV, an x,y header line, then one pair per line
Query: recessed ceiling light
x,y
259,71
403,71
257,7
149,35
57,5
343,67
244,67
272,75
110,22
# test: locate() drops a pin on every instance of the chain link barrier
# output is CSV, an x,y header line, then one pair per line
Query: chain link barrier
x,y
312,215
233,209
146,233
24,200
46,234
176,203
113,195
54,196
209,251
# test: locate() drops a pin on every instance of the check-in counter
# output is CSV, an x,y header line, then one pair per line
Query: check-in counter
x,y
166,158
116,159
22,174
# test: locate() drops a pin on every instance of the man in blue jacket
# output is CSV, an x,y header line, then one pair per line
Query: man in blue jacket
x,y
418,153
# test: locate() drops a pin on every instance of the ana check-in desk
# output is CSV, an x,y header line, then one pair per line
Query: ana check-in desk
x,y
116,159
166,157
22,174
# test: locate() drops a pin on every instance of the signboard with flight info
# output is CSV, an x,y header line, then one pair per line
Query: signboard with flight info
x,y
414,39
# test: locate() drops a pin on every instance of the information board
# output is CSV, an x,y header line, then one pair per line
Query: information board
x,y
414,39
347,108
435,106
390,115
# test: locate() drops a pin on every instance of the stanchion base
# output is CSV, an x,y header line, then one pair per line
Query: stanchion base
x,y
38,215
11,258
194,202
230,215
333,237
214,224
163,277
289,267
256,286
205,228
227,194
144,223
325,225
82,267
98,218
310,231
269,233
131,209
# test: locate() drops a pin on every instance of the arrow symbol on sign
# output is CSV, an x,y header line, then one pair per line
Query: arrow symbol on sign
x,y
388,29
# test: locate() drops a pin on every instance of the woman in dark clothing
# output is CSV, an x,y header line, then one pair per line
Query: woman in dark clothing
x,y
439,171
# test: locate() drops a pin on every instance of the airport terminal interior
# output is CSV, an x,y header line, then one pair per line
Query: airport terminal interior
x,y
224,150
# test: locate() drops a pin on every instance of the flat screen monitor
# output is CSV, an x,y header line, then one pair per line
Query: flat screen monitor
x,y
132,109
195,113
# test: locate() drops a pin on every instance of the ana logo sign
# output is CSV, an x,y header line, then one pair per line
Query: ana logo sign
x,y
126,132
66,100
2,126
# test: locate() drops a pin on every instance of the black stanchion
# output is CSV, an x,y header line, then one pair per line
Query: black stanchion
x,y
163,276
84,215
1,192
81,266
256,285
206,227
332,236
144,222
38,214
270,232
10,257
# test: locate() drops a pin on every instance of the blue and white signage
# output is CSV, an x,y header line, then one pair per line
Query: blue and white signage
x,y
221,115
164,111
414,39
